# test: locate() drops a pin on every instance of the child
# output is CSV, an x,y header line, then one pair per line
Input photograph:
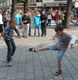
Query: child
x,y
37,23
64,39
8,35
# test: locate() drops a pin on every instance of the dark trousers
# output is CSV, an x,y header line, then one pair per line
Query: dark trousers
x,y
43,29
29,29
11,47
49,21
1,28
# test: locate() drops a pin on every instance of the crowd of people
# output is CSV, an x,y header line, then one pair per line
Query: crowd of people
x,y
39,19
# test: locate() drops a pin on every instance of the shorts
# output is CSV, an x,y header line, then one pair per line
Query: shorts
x,y
1,28
59,49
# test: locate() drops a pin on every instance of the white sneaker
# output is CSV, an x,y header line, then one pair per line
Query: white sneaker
x,y
9,64
6,63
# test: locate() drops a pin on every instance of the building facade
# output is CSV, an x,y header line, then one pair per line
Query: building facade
x,y
5,4
47,3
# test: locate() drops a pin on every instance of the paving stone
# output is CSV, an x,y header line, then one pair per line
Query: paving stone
x,y
49,79
37,68
3,75
30,76
38,74
21,75
68,78
58,77
39,78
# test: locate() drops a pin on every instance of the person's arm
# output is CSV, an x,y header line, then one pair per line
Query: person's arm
x,y
16,30
5,19
72,41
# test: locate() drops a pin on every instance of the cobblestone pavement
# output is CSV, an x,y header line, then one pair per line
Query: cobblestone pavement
x,y
41,65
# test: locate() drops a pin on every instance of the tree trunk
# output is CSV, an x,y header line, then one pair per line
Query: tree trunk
x,y
67,15
13,8
25,5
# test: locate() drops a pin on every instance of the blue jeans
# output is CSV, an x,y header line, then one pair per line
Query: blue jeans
x,y
11,47
37,27
60,50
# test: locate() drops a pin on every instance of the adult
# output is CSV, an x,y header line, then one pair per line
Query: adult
x,y
43,23
1,23
18,20
26,21
37,23
5,19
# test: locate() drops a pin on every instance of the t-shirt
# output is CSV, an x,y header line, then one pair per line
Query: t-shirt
x,y
17,19
63,41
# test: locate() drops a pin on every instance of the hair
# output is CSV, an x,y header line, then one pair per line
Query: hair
x,y
59,28
11,21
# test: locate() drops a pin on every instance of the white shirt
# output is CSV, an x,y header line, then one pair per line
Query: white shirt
x,y
1,22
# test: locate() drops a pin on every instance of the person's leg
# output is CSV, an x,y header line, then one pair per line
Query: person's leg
x,y
23,30
38,31
18,28
27,30
34,31
48,22
13,47
1,29
30,29
52,47
9,50
42,29
59,59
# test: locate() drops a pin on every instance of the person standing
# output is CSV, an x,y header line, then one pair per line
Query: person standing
x,y
5,20
18,20
37,23
8,35
26,21
1,23
49,18
43,23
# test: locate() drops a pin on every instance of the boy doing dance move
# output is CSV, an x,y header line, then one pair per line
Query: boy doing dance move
x,y
64,40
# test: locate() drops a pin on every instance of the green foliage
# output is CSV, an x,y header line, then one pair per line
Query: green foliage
x,y
18,1
38,0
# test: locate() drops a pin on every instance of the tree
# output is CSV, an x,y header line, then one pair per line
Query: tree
x,y
67,15
25,5
13,8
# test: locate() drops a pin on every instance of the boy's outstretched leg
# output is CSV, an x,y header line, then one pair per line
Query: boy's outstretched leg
x,y
36,49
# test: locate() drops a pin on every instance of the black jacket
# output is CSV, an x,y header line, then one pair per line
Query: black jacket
x,y
26,19
43,18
